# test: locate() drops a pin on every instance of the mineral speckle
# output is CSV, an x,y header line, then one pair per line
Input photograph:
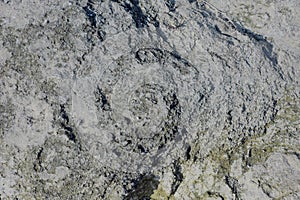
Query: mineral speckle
x,y
139,99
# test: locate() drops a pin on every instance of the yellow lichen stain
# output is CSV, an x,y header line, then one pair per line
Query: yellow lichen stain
x,y
161,194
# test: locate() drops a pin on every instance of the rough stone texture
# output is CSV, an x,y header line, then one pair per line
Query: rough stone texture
x,y
139,99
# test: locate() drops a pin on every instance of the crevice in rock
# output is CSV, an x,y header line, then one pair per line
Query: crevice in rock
x,y
215,55
215,195
143,187
225,34
266,188
166,58
112,177
96,20
64,114
37,165
91,13
141,19
229,117
68,130
136,12
266,46
69,133
171,5
62,119
233,185
102,102
142,149
188,153
180,59
149,55
178,177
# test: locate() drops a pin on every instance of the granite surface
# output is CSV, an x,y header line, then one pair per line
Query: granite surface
x,y
149,99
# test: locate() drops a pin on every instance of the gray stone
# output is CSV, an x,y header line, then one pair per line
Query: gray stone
x,y
140,99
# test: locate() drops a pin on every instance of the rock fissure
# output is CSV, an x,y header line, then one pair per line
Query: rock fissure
x,y
146,99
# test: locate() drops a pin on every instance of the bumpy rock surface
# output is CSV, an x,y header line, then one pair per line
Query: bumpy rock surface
x,y
139,99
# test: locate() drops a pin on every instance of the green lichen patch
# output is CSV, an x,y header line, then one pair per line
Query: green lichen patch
x,y
290,110
258,154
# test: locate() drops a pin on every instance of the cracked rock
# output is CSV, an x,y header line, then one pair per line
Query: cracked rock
x,y
139,99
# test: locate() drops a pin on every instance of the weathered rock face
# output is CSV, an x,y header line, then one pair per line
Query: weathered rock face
x,y
141,99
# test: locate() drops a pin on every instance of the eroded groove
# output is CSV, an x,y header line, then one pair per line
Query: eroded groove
x,y
143,187
149,55
178,177
65,126
171,5
102,102
91,13
136,12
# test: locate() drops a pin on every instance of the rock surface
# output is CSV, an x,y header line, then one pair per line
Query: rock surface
x,y
139,99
